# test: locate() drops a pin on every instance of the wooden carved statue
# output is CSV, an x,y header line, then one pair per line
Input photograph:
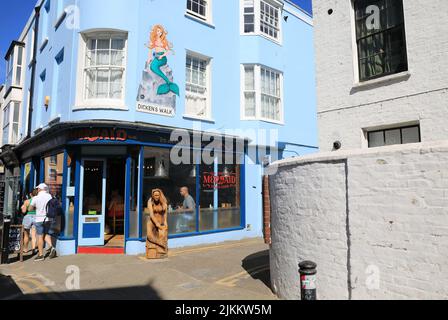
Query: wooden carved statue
x,y
157,226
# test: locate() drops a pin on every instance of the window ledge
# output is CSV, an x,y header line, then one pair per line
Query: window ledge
x,y
101,105
262,35
393,78
281,123
201,21
192,117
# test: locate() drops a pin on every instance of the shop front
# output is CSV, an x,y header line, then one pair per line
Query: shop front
x,y
104,174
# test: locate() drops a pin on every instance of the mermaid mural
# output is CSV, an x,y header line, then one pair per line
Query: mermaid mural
x,y
157,91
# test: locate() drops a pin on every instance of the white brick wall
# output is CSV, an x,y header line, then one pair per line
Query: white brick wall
x,y
344,110
396,201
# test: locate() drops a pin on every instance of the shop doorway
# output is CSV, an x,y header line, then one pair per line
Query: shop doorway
x,y
115,211
102,210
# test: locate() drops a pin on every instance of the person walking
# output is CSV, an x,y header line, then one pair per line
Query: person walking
x,y
43,223
29,224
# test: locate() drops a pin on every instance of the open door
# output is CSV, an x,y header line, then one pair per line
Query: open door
x,y
92,202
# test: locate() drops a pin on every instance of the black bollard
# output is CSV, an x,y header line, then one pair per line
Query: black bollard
x,y
307,270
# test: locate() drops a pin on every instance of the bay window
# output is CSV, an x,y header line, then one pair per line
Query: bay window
x,y
262,94
200,9
262,17
11,117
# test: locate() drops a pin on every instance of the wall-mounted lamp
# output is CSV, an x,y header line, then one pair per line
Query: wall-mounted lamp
x,y
47,102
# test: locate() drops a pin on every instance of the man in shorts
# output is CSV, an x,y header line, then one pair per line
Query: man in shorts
x,y
42,223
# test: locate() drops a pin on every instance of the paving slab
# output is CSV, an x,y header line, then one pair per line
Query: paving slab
x,y
225,271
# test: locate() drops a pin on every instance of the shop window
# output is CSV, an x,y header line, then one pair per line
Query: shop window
x,y
201,198
53,170
176,182
70,196
134,225
27,175
220,203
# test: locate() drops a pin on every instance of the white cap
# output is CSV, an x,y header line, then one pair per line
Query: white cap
x,y
42,186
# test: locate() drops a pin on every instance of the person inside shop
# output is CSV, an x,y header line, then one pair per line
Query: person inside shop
x,y
28,224
188,204
184,221
43,223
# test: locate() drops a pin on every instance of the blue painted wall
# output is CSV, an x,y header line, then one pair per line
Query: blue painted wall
x,y
223,43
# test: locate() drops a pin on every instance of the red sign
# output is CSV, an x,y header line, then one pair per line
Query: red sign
x,y
93,135
210,180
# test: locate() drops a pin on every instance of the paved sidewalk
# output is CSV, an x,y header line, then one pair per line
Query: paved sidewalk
x,y
231,270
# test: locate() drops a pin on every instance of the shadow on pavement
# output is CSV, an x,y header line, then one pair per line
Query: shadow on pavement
x,y
8,287
9,290
257,265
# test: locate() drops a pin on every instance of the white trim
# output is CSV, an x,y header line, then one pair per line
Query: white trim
x,y
258,94
208,96
81,103
354,44
191,117
257,12
357,83
207,19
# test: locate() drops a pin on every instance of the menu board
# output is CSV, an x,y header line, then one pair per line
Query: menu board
x,y
16,240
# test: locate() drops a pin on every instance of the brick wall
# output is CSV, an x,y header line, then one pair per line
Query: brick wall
x,y
345,109
375,221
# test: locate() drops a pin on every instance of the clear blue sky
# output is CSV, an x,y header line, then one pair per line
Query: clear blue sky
x,y
15,14
18,12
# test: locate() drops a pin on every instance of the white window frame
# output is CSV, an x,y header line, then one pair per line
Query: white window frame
x,y
8,139
10,66
208,81
81,101
11,105
258,94
357,83
208,18
257,20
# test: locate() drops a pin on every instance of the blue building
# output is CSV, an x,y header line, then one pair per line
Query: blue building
x,y
105,101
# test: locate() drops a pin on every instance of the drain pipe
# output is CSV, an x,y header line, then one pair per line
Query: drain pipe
x,y
33,70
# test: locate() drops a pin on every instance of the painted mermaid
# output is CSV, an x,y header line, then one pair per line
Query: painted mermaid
x,y
157,58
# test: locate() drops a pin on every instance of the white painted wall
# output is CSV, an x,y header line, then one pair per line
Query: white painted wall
x,y
345,108
356,213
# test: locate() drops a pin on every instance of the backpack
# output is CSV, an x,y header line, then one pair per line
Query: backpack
x,y
54,208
